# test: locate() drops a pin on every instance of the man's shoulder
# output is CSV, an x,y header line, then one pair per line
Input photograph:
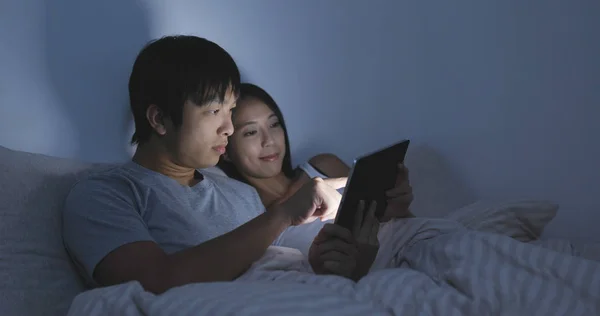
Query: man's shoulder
x,y
114,182
106,176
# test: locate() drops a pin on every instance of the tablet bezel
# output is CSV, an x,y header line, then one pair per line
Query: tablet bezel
x,y
393,149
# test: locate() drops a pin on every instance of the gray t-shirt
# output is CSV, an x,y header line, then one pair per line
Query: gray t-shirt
x,y
130,203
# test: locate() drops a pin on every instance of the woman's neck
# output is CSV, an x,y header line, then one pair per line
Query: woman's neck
x,y
271,189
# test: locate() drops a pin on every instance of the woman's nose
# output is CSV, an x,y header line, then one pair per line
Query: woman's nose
x,y
267,139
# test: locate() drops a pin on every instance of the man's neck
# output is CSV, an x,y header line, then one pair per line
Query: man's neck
x,y
156,158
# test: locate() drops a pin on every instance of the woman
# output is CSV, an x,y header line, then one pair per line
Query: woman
x,y
259,151
259,154
456,257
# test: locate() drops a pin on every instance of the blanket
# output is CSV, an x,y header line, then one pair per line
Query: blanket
x,y
424,267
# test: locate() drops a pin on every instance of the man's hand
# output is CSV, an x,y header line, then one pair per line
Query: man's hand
x,y
400,197
336,183
333,251
338,251
317,198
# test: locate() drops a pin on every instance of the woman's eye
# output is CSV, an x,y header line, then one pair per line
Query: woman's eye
x,y
276,124
214,112
249,133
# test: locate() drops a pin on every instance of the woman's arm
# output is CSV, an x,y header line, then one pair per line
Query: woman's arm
x,y
330,165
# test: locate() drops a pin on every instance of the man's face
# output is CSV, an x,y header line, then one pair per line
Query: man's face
x,y
202,137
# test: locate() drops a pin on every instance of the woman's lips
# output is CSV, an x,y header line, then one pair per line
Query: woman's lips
x,y
269,158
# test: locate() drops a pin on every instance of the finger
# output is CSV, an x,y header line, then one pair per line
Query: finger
x,y
328,213
325,211
333,230
328,232
339,268
335,256
332,266
322,235
358,218
373,238
344,266
338,245
328,199
402,168
327,216
319,239
398,208
401,173
336,183
402,200
402,189
365,230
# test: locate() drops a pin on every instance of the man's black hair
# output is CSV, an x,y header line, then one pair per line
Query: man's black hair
x,y
172,70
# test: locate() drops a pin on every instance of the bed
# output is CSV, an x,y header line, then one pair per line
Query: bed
x,y
461,274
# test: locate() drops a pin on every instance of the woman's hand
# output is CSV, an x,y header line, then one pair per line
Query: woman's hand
x,y
337,250
400,197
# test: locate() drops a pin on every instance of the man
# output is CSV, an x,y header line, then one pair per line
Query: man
x,y
156,219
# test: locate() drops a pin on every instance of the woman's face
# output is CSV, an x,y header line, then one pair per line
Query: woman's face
x,y
257,146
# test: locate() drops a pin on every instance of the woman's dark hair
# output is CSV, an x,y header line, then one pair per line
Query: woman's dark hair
x,y
174,69
248,90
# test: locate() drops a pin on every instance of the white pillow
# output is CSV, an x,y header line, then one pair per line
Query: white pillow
x,y
38,277
523,220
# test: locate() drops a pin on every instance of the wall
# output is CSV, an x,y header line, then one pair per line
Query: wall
x,y
507,93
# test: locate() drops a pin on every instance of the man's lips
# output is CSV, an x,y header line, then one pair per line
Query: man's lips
x,y
269,158
220,149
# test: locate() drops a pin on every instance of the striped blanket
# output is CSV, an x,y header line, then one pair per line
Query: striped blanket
x,y
424,267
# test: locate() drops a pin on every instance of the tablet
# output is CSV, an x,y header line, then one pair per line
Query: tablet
x,y
370,177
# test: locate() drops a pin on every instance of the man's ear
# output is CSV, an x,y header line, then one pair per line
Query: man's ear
x,y
156,119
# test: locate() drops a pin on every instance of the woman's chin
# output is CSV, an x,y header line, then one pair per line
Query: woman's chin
x,y
269,173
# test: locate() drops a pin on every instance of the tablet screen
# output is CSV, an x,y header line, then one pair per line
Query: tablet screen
x,y
370,177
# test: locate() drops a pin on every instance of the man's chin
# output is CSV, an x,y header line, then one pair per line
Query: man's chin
x,y
207,163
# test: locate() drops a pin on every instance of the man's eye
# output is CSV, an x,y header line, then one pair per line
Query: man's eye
x,y
250,133
214,112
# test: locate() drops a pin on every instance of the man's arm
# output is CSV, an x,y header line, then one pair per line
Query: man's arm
x,y
220,259
108,238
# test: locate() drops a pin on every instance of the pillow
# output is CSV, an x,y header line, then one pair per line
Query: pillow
x,y
37,275
523,220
